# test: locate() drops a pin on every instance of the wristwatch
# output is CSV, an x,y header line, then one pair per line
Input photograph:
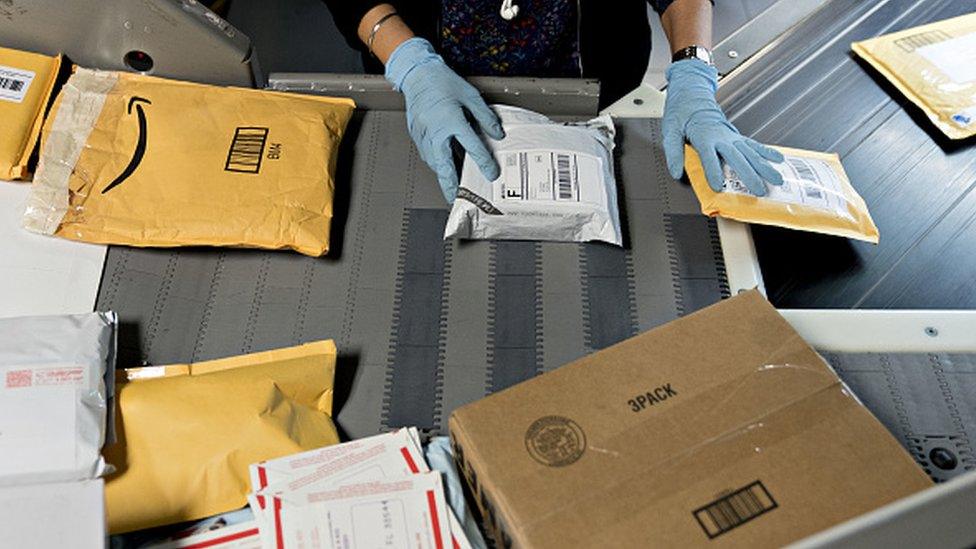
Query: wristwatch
x,y
694,52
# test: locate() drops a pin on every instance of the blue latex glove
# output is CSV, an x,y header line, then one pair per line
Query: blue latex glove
x,y
436,100
691,113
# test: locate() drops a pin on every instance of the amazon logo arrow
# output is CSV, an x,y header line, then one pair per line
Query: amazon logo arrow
x,y
140,145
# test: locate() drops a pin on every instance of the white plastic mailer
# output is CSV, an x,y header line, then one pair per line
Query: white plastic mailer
x,y
556,183
56,385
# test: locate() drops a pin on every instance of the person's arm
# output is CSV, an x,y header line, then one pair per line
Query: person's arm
x,y
688,23
347,14
391,33
692,114
436,98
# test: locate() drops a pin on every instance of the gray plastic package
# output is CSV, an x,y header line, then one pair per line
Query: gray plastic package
x,y
56,396
556,183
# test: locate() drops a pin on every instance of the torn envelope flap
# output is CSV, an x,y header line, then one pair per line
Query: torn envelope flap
x,y
291,472
658,436
556,183
406,512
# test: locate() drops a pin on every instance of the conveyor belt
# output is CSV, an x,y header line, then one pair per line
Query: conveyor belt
x,y
809,91
927,401
424,326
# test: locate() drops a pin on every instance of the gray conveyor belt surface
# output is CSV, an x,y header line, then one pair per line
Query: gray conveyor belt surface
x,y
808,90
424,326
927,401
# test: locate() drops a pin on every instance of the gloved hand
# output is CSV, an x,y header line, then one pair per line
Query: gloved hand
x,y
436,100
691,112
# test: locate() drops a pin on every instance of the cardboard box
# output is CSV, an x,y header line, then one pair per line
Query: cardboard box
x,y
720,428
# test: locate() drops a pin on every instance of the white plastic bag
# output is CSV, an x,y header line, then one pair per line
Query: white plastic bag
x,y
556,183
56,381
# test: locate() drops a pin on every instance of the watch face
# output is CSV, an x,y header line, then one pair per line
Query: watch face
x,y
695,52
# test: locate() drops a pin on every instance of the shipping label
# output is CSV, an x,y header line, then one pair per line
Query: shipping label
x,y
14,83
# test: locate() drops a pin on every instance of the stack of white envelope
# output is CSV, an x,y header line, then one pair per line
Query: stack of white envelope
x,y
373,492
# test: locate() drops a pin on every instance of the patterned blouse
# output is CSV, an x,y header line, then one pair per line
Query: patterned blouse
x,y
543,39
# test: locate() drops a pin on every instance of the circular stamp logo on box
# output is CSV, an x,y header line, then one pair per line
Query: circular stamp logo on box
x,y
555,441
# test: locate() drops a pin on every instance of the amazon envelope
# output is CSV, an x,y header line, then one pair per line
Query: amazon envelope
x,y
26,83
815,196
187,433
935,67
143,161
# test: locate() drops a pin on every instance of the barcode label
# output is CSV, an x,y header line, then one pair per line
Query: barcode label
x,y
813,192
11,84
915,41
808,181
735,509
14,83
246,150
805,173
546,176
803,170
564,177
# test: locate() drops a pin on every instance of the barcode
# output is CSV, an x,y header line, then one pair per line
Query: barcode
x,y
803,170
564,177
735,509
246,150
11,84
915,41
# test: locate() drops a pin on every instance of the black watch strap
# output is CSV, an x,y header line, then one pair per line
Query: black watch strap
x,y
694,52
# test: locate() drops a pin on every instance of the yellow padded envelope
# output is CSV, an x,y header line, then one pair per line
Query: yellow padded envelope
x,y
935,67
187,433
143,161
816,196
26,83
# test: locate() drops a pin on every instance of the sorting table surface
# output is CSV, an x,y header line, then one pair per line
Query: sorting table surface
x,y
425,325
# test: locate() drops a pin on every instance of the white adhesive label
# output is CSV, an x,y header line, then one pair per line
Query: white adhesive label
x,y
14,83
38,376
808,182
955,57
549,176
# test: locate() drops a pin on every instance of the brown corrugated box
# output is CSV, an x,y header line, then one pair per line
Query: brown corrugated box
x,y
721,428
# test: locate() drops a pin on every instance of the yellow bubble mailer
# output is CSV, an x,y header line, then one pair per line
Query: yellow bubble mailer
x,y
187,433
815,196
935,67
26,83
142,161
